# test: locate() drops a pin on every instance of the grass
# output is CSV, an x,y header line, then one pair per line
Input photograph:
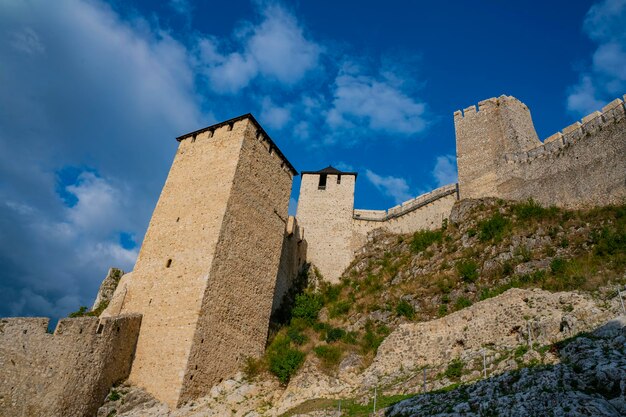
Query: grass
x,y
467,269
350,407
446,272
494,228
422,239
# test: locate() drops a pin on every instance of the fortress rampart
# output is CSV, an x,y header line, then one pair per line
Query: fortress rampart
x,y
335,230
499,155
65,374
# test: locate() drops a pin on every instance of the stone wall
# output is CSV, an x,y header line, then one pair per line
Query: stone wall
x,y
426,211
498,155
205,274
292,260
335,230
326,215
65,374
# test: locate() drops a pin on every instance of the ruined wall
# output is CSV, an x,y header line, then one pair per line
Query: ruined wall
x,y
584,165
326,215
205,273
292,260
237,303
426,211
65,374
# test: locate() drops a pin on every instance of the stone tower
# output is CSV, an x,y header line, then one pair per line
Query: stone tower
x,y
325,210
500,126
206,272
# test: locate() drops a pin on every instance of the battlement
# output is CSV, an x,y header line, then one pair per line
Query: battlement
x,y
407,206
228,125
65,373
488,105
585,129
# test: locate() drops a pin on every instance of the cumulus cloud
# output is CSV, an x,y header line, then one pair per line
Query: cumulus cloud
x,y
274,116
82,87
394,187
605,23
276,49
445,170
378,103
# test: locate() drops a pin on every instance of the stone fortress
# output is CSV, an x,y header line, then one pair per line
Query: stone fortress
x,y
221,251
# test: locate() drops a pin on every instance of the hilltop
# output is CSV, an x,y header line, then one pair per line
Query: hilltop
x,y
509,279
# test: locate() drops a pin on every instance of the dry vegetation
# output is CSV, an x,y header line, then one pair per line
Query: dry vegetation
x,y
488,247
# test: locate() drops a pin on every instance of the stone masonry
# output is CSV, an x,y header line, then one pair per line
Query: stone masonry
x,y
65,374
206,272
335,229
499,155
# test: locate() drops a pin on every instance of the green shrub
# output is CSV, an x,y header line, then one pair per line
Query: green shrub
x,y
610,242
405,309
558,265
443,310
307,307
507,268
295,335
331,292
455,369
520,351
471,232
330,355
252,367
422,239
494,228
524,252
114,395
462,302
81,312
283,360
531,209
333,334
468,270
340,308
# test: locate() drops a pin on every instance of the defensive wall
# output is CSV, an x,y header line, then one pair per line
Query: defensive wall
x,y
500,155
206,272
65,374
293,257
335,230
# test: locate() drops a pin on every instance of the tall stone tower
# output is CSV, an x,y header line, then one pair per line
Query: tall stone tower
x,y
501,125
206,272
325,209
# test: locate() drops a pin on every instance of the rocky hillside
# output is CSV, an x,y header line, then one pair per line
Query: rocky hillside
x,y
494,290
590,380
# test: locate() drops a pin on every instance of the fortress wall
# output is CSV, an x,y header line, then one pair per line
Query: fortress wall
x,y
184,228
65,374
499,126
584,165
426,211
292,259
326,215
237,302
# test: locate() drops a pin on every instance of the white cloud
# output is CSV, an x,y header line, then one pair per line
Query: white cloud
x,y
276,49
606,78
445,170
377,103
274,116
394,187
26,40
86,88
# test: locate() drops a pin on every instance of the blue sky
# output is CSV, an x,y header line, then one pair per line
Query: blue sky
x,y
93,94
